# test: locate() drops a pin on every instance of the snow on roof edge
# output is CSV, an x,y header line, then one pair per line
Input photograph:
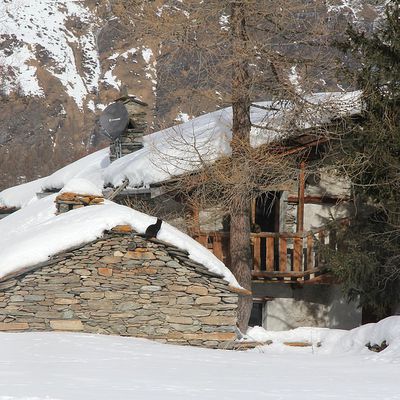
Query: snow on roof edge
x,y
36,234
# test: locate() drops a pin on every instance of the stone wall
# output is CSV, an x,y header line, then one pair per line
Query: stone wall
x,y
70,201
125,285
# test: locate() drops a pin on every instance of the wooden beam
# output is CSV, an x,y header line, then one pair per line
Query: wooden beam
x,y
300,205
287,274
295,150
8,210
118,190
318,199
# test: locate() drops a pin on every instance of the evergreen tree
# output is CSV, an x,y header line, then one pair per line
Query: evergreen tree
x,y
368,262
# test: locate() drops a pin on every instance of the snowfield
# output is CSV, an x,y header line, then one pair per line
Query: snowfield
x,y
66,366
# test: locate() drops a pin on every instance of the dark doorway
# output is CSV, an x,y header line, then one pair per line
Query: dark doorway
x,y
267,220
256,314
267,212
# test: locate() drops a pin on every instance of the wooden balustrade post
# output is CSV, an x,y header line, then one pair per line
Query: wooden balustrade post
x,y
300,204
310,245
270,254
256,253
297,254
321,239
282,254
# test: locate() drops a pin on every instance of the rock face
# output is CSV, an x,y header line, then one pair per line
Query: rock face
x,y
61,63
153,292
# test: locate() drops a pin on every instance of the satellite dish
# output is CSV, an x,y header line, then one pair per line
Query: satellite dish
x,y
114,120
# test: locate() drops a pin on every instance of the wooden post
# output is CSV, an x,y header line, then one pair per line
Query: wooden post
x,y
202,239
282,254
297,254
270,254
193,223
300,204
256,253
217,247
310,245
321,239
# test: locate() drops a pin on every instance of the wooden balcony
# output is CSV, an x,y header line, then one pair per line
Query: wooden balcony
x,y
283,257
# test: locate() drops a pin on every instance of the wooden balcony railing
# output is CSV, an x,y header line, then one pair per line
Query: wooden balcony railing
x,y
277,256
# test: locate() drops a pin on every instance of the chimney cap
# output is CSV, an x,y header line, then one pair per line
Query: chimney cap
x,y
131,98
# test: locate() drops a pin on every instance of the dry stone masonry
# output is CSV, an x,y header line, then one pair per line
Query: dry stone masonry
x,y
126,285
69,201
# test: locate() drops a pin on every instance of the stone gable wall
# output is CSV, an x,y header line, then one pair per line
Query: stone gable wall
x,y
123,285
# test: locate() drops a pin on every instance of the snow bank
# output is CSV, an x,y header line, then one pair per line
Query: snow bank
x,y
35,233
72,366
336,341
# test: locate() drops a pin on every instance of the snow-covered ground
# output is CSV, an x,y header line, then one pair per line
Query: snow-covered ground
x,y
61,366
338,341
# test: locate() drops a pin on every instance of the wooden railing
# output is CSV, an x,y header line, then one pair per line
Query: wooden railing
x,y
277,256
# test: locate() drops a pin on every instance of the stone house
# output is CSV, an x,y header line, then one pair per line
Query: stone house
x,y
291,285
119,283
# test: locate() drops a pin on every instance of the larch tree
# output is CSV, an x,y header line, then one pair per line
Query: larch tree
x,y
237,52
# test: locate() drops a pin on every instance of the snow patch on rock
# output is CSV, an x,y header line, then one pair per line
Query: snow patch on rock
x,y
45,28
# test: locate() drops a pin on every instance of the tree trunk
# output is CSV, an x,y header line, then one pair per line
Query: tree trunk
x,y
241,260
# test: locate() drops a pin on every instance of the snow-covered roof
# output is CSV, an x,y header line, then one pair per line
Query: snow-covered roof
x,y
35,233
186,147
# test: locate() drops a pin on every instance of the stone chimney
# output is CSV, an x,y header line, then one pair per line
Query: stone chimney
x,y
132,139
70,201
